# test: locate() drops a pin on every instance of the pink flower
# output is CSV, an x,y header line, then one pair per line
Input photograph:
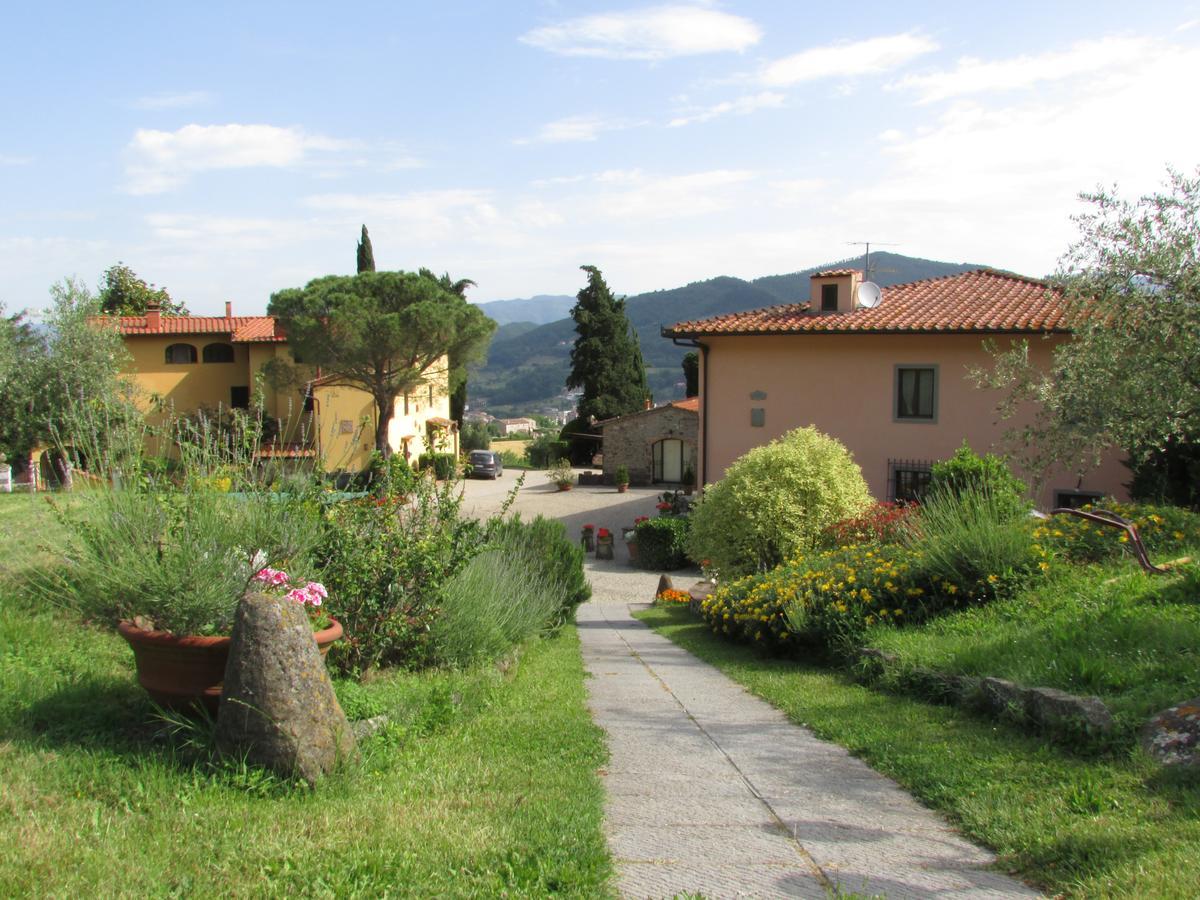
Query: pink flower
x,y
298,595
318,590
273,577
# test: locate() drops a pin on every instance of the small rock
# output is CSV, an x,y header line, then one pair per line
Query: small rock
x,y
1173,736
1059,711
664,584
277,704
364,728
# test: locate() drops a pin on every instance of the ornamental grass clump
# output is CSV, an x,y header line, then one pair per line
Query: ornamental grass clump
x,y
497,601
176,560
977,540
774,502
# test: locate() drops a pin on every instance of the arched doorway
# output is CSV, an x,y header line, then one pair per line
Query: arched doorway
x,y
673,459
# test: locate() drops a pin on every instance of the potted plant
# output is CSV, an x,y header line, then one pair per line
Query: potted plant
x,y
168,567
604,544
621,477
560,473
179,671
630,535
5,475
689,480
586,538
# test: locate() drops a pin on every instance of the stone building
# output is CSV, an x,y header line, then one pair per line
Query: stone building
x,y
657,445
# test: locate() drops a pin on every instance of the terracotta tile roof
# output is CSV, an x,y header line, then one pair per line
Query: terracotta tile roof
x,y
830,273
691,404
241,329
984,301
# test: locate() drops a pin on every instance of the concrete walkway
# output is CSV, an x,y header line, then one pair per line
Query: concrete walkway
x,y
713,791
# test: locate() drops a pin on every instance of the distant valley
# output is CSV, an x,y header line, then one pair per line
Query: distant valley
x,y
529,357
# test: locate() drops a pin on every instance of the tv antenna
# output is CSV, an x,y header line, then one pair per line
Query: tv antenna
x,y
867,255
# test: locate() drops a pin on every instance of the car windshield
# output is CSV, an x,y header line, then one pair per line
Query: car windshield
x,y
481,456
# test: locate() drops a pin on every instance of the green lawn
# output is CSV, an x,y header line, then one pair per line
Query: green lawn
x,y
1112,826
484,785
1105,630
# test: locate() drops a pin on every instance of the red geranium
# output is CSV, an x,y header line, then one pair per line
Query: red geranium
x,y
603,532
589,527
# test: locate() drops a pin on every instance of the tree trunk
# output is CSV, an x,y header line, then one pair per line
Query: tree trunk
x,y
383,418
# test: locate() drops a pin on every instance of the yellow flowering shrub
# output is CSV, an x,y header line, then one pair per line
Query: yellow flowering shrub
x,y
826,598
1163,529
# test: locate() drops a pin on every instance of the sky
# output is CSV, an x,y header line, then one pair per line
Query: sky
x,y
229,150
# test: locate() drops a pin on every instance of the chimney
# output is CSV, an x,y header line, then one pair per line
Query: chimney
x,y
277,329
229,309
153,317
834,290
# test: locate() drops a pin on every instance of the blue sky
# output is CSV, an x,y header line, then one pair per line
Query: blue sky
x,y
226,151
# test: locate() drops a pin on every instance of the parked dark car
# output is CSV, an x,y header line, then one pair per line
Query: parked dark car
x,y
486,464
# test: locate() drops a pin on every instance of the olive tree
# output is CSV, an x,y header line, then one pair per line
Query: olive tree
x,y
1128,376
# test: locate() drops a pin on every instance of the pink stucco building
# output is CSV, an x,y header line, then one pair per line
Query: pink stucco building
x,y
891,381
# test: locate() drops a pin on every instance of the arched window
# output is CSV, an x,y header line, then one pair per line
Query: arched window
x,y
181,354
218,353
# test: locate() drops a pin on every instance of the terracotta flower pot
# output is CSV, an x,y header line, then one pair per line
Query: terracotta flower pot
x,y
622,488
180,671
631,546
565,485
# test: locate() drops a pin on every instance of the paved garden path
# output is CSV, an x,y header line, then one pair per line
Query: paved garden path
x,y
713,791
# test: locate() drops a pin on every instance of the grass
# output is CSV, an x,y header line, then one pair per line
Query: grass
x,y
1108,827
483,785
1105,630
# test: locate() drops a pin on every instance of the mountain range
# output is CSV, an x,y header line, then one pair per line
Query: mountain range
x,y
529,357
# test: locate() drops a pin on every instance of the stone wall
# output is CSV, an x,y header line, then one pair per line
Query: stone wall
x,y
629,440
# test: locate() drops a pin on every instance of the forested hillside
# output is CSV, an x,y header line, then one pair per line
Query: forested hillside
x,y
528,365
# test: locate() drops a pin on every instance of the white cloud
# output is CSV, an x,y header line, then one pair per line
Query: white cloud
x,y
999,183
7,160
173,100
796,191
1187,26
634,195
977,76
740,106
417,215
573,129
658,32
843,60
159,161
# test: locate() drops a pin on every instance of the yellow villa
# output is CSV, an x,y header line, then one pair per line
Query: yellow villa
x,y
184,364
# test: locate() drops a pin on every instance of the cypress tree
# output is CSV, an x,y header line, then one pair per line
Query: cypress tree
x,y
366,256
607,359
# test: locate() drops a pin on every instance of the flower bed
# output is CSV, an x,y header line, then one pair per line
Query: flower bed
x,y
1163,529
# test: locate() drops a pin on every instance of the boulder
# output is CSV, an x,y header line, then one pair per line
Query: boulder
x,y
277,704
1002,697
1060,711
664,584
1173,736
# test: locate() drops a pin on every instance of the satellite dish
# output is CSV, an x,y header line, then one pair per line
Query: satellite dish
x,y
869,295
